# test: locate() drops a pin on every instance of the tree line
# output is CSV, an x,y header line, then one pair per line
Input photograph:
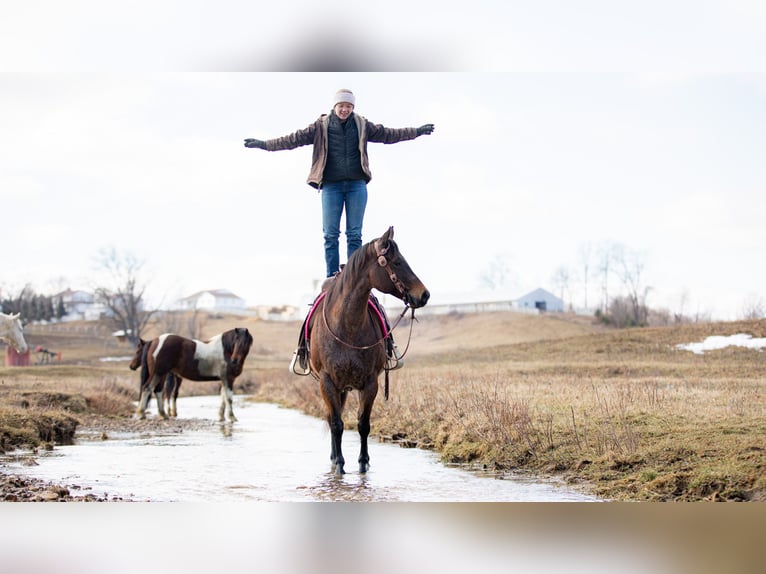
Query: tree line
x,y
609,281
120,291
33,306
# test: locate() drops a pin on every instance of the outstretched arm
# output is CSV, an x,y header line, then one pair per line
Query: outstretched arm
x,y
291,141
426,129
250,142
381,134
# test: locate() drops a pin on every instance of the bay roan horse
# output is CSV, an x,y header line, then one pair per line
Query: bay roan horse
x,y
347,349
12,331
222,358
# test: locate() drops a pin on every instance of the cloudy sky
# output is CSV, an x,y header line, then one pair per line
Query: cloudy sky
x,y
557,131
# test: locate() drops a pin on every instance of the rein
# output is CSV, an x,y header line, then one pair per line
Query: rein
x,y
376,343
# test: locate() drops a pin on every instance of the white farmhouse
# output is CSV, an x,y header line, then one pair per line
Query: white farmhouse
x,y
79,305
215,300
76,302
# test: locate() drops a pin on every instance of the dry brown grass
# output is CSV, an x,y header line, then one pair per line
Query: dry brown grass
x,y
622,411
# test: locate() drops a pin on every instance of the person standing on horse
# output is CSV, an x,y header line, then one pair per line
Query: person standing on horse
x,y
340,168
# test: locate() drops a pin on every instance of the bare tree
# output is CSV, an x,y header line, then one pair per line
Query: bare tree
x,y
585,254
123,293
606,255
497,274
195,323
754,307
561,278
629,267
683,301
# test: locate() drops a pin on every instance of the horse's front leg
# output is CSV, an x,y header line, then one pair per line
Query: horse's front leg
x,y
366,400
227,396
334,401
143,401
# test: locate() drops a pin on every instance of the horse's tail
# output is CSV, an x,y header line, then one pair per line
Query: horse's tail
x,y
144,369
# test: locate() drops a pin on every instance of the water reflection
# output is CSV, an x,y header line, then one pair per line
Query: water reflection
x,y
271,454
347,488
226,429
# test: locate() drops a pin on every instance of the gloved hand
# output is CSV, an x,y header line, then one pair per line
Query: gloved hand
x,y
426,129
250,142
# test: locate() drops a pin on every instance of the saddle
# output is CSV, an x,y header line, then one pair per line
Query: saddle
x,y
300,364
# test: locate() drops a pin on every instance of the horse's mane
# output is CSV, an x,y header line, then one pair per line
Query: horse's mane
x,y
359,260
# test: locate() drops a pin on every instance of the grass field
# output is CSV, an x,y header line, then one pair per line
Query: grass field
x,y
624,413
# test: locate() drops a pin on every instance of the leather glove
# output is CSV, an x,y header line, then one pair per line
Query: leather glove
x,y
250,142
426,129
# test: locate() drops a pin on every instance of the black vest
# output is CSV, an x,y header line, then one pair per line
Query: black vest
x,y
344,161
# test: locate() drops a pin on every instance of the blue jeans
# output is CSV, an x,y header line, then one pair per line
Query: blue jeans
x,y
335,195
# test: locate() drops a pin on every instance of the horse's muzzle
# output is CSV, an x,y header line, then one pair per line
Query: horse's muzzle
x,y
417,301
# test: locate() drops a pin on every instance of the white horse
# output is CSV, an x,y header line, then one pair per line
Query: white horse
x,y
12,331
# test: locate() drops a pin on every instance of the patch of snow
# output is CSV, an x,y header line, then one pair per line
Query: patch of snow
x,y
720,342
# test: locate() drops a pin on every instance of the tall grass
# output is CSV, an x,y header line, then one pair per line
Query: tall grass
x,y
633,436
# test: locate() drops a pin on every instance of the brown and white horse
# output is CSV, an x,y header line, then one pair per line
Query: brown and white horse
x,y
222,358
12,331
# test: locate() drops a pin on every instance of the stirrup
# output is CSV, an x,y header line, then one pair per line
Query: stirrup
x,y
298,365
394,361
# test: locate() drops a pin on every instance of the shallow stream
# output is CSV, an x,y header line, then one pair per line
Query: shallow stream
x,y
271,454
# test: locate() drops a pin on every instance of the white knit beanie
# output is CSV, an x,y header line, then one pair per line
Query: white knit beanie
x,y
344,96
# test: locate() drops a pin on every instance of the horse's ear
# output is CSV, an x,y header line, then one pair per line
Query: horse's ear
x,y
381,244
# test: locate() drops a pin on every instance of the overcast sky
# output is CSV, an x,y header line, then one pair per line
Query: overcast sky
x,y
603,126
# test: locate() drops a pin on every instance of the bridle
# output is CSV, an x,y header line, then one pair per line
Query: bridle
x,y
383,262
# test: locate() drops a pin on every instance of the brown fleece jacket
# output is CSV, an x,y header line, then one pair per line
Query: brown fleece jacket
x,y
316,134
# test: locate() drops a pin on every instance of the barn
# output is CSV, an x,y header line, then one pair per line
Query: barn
x,y
541,300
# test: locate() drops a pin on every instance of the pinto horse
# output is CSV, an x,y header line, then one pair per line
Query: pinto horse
x,y
222,358
12,331
168,394
347,349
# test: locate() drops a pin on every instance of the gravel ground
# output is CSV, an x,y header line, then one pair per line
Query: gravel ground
x,y
15,488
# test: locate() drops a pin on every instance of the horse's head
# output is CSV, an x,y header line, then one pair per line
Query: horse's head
x,y
236,346
138,355
15,333
393,275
